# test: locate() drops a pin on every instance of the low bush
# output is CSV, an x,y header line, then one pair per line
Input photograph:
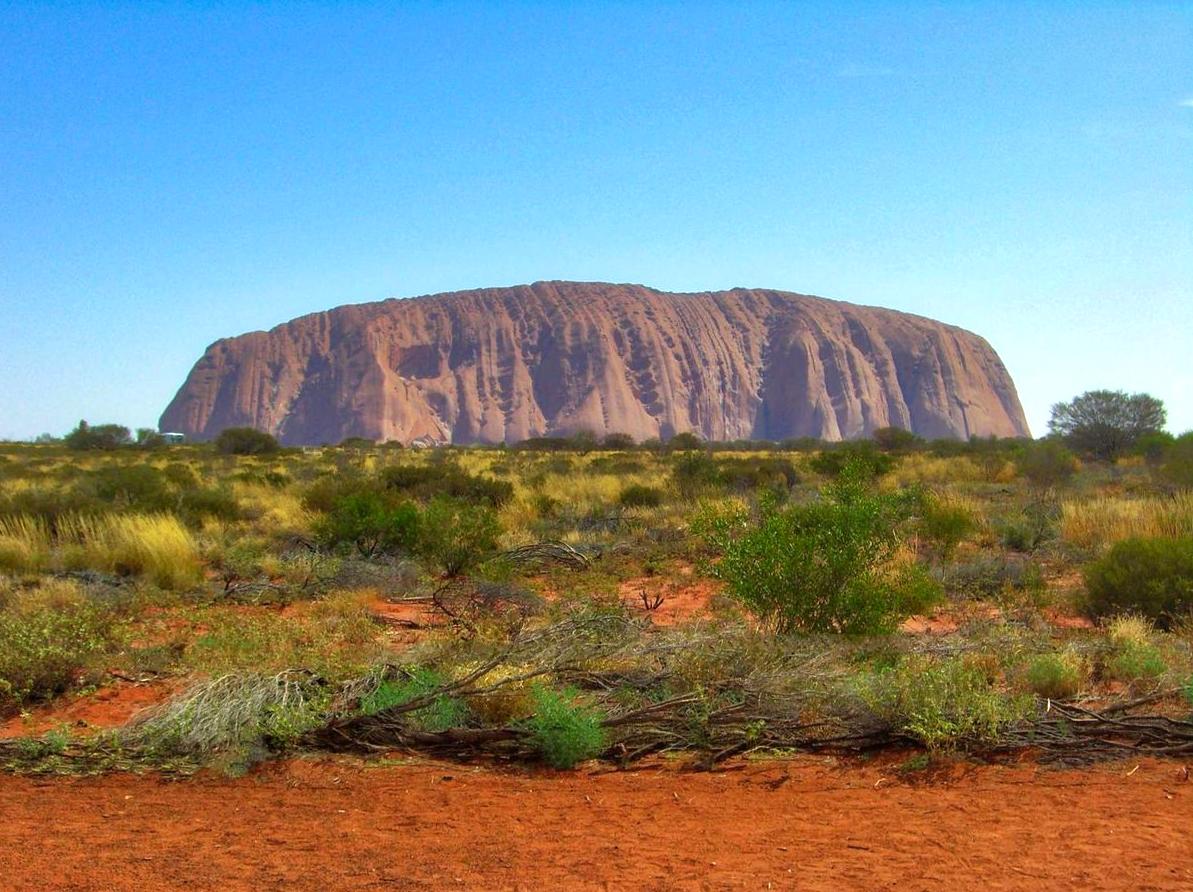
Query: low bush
x,y
440,714
943,703
863,457
1046,463
1150,577
373,523
639,496
564,731
946,524
424,482
245,441
1056,676
455,536
49,636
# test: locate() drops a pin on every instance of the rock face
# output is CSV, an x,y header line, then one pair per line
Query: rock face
x,y
556,357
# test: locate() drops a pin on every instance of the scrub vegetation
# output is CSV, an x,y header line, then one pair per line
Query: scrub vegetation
x,y
565,599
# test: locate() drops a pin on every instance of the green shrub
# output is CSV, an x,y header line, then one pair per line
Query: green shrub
x,y
99,436
48,637
442,713
1056,676
693,473
639,496
946,525
942,703
748,474
1046,463
564,731
827,566
1151,577
896,439
372,523
424,482
862,457
1029,529
245,441
1177,468
1136,661
455,536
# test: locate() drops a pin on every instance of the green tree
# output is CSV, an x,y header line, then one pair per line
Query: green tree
x,y
1107,423
245,441
895,439
684,442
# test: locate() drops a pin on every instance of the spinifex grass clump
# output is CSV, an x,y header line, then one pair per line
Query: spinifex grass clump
x,y
829,566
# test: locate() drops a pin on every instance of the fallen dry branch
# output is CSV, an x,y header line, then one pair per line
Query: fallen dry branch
x,y
1070,734
546,553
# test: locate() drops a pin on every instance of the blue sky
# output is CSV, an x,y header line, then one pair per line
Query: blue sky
x,y
172,174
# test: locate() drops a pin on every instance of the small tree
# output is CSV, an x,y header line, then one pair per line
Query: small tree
x,y
100,436
618,442
895,439
245,441
684,442
1107,423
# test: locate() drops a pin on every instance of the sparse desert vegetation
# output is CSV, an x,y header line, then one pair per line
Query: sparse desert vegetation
x,y
557,601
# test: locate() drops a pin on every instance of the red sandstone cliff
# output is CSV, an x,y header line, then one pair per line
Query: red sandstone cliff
x,y
554,357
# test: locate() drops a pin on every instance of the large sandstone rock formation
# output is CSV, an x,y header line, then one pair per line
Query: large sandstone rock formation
x,y
555,357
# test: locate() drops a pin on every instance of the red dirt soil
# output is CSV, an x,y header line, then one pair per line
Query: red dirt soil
x,y
109,707
808,824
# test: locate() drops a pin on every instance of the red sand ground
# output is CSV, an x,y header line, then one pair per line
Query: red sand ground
x,y
109,707
807,824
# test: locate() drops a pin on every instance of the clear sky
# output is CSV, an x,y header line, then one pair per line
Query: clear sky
x,y
171,174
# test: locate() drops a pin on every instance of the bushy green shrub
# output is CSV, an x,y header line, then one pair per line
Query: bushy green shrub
x,y
748,474
455,536
371,522
946,524
639,496
942,703
245,441
1046,463
827,566
694,473
99,436
896,439
440,714
564,731
47,638
1151,577
424,482
1136,661
1029,529
1056,676
862,457
1177,467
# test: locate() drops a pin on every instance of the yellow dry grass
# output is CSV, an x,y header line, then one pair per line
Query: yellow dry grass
x,y
1100,522
156,546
